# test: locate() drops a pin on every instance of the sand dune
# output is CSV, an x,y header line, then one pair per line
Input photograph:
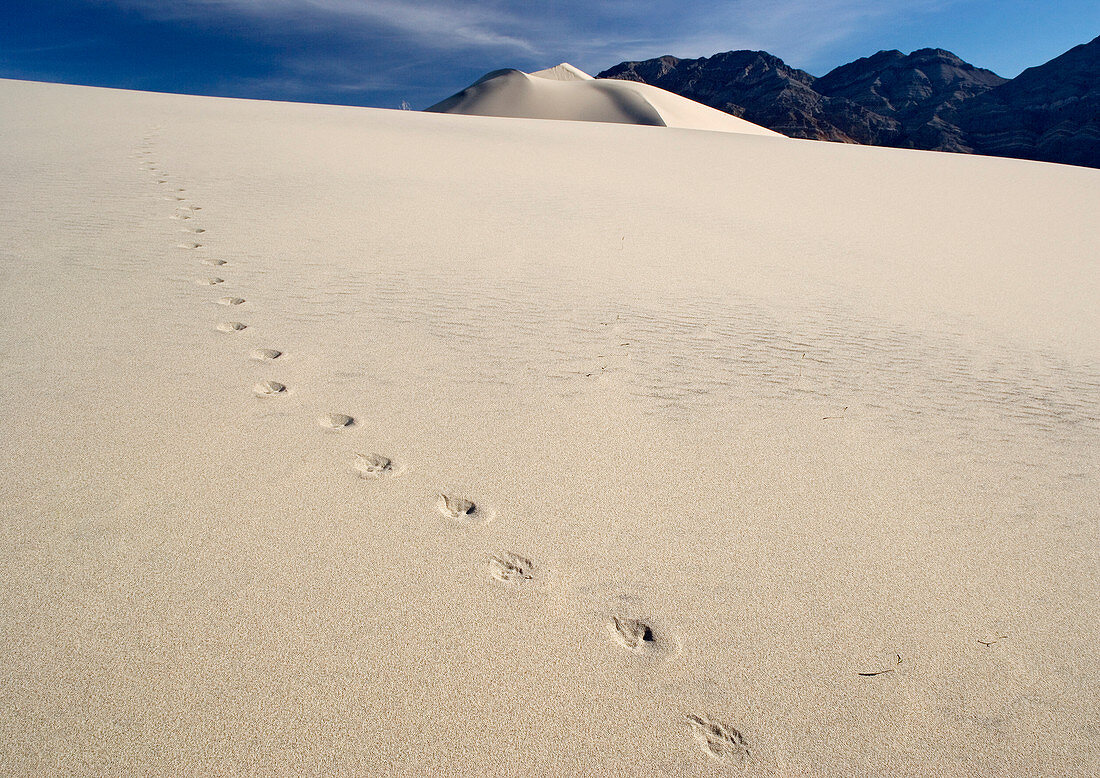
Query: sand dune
x,y
566,92
563,72
537,448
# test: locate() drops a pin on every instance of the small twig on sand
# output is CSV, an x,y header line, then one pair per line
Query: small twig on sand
x,y
841,416
882,672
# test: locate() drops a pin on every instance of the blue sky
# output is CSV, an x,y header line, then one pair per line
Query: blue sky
x,y
381,52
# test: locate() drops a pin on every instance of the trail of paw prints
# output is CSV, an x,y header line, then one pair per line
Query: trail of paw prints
x,y
193,235
144,152
639,638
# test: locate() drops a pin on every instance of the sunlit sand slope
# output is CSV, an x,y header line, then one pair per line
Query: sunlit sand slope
x,y
360,442
564,92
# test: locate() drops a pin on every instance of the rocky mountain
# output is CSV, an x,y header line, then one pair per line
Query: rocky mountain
x,y
930,99
758,87
918,94
1050,112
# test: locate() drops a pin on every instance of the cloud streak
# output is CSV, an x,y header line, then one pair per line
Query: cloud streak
x,y
433,24
379,51
565,29
791,29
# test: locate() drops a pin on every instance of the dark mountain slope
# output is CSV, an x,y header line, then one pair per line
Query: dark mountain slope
x,y
921,92
930,99
1050,112
760,88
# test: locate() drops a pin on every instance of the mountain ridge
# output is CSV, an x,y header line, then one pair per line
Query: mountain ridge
x,y
928,99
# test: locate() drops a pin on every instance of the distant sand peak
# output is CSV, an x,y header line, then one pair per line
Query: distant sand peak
x,y
567,93
563,72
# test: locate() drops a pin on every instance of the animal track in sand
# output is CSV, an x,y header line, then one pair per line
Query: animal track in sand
x,y
214,262
374,466
457,508
265,354
511,568
210,281
268,389
632,634
190,245
720,740
196,230
231,326
335,421
230,301
644,638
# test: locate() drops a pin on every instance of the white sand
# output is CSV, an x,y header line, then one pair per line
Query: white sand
x,y
793,410
562,72
565,92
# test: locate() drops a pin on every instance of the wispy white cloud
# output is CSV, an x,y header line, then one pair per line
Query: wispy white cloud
x,y
802,29
431,23
593,33
350,46
435,23
796,30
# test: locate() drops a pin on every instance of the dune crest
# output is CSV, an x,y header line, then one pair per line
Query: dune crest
x,y
563,72
568,93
